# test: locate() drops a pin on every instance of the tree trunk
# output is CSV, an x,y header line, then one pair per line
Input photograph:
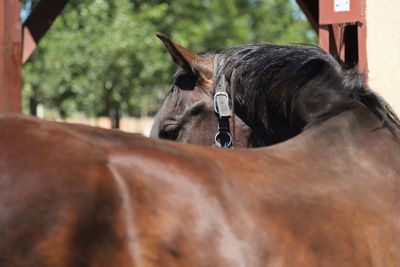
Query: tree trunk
x,y
115,118
33,103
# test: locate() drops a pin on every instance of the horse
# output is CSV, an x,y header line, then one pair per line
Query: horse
x,y
269,99
73,195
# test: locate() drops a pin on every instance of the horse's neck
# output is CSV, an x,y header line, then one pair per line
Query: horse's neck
x,y
357,128
352,140
278,127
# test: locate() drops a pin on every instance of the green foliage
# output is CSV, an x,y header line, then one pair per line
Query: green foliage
x,y
101,56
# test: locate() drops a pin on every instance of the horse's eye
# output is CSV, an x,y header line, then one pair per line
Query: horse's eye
x,y
170,131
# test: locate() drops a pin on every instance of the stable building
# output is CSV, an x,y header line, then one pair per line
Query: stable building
x,y
362,34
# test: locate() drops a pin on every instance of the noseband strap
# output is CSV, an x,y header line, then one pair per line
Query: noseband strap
x,y
223,138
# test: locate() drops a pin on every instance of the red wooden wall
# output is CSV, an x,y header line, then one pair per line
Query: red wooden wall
x,y
342,33
10,56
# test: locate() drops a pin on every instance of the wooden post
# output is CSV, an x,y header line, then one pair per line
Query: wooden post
x,y
10,56
342,32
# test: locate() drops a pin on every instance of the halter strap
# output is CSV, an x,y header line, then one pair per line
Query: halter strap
x,y
233,88
223,137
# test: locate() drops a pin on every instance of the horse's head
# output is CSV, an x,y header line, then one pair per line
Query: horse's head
x,y
187,114
277,90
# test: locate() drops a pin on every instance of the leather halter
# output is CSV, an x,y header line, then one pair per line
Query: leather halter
x,y
223,138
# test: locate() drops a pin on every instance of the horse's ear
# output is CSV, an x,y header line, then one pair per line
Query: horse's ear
x,y
186,59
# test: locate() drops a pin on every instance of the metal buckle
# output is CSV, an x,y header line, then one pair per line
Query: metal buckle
x,y
221,134
221,104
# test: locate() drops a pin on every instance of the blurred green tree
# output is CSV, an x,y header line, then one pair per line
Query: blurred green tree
x,y
101,56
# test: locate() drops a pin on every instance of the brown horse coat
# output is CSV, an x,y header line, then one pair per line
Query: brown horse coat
x,y
78,196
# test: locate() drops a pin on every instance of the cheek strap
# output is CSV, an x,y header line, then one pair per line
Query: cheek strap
x,y
222,110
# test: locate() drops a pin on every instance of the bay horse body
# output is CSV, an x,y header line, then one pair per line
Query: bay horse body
x,y
79,196
73,195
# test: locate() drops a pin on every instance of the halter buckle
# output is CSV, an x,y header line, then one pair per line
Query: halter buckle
x,y
221,104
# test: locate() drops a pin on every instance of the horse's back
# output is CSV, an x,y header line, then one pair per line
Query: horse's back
x,y
60,205
80,196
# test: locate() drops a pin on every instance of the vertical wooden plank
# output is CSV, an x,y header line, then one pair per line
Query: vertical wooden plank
x,y
362,50
337,43
323,33
10,56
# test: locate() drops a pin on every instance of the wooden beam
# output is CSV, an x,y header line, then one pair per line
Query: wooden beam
x,y
39,22
328,14
10,56
310,10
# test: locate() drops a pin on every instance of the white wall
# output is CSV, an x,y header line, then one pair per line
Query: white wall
x,y
383,49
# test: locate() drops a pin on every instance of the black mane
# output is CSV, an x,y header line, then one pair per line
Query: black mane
x,y
281,89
